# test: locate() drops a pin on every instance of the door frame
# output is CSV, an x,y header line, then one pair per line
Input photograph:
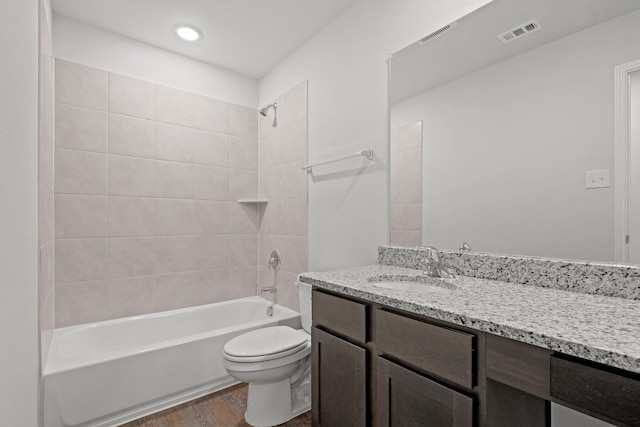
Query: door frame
x,y
621,158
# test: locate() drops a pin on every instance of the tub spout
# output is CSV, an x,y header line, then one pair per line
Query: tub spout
x,y
271,289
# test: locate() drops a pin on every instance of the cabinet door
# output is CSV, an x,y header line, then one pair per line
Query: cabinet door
x,y
339,381
406,398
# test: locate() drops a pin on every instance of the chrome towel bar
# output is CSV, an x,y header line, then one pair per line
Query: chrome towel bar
x,y
366,153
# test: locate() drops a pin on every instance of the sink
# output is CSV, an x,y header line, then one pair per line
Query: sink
x,y
420,284
412,286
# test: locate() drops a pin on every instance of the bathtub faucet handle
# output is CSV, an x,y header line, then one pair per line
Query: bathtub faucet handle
x,y
274,260
272,289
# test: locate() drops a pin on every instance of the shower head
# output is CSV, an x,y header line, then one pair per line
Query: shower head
x,y
264,111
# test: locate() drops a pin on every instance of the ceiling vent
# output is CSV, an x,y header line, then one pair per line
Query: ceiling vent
x,y
437,33
519,31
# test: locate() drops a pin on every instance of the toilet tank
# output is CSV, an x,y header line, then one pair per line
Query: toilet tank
x,y
304,297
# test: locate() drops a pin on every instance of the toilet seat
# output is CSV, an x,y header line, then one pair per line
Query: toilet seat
x,y
265,344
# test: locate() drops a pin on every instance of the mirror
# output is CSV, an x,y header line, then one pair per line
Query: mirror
x,y
512,130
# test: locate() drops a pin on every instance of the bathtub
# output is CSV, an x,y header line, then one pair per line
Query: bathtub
x,y
108,373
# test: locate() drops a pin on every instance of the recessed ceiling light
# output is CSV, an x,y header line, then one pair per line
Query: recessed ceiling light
x,y
187,32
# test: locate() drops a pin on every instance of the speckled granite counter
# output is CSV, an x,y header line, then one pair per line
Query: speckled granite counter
x,y
594,327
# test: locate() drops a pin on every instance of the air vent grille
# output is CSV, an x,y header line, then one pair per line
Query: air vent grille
x,y
437,33
519,31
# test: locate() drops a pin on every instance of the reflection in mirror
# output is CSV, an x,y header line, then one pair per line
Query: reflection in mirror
x,y
511,131
406,185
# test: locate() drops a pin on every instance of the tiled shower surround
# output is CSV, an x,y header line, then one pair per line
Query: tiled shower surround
x,y
147,180
406,185
283,225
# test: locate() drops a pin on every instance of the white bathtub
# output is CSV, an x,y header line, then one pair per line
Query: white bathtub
x,y
111,372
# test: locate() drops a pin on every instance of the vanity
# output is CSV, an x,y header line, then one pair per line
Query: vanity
x,y
481,352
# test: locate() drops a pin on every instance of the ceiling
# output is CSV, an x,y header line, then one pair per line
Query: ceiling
x,y
473,43
246,36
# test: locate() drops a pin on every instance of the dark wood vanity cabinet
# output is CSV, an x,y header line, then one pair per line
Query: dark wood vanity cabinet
x,y
371,366
377,366
339,362
407,398
425,372
339,381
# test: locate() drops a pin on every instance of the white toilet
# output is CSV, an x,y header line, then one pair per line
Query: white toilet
x,y
276,362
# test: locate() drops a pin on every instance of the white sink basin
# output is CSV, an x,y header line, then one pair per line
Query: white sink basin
x,y
413,286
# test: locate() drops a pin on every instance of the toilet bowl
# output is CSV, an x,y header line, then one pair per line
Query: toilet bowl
x,y
276,362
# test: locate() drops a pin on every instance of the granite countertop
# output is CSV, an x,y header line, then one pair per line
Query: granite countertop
x,y
598,328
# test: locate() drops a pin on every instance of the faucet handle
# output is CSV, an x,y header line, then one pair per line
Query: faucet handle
x,y
464,247
274,260
432,253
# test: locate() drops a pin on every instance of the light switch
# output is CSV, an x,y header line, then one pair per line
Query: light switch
x,y
598,178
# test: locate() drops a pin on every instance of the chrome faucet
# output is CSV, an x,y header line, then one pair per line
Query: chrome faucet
x,y
433,266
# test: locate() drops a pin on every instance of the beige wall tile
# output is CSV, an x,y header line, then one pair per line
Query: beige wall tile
x,y
130,296
272,183
174,254
78,303
80,172
174,180
130,136
243,250
211,217
405,238
131,257
174,291
80,216
80,260
131,97
211,286
175,217
243,121
212,252
80,85
131,216
296,214
174,106
80,128
243,218
210,148
410,163
174,143
131,176
243,153
242,282
211,114
406,217
211,183
242,184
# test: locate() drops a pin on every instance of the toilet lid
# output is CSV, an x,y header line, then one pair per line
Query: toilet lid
x,y
266,341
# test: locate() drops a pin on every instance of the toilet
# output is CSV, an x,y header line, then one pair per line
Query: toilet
x,y
276,362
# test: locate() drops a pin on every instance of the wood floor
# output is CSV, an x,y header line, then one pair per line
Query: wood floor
x,y
222,409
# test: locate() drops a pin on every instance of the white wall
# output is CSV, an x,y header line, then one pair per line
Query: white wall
x,y
345,65
634,168
78,42
507,148
18,213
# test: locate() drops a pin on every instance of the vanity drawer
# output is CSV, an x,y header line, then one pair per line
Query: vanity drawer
x,y
597,391
443,352
340,315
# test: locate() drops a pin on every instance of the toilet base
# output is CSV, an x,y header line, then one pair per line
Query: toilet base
x,y
276,403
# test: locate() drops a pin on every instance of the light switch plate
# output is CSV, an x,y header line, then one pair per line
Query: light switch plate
x,y
600,178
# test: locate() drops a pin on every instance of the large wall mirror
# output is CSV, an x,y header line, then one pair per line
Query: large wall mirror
x,y
502,129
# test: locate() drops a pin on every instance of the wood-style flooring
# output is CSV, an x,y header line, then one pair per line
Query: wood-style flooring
x,y
222,409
